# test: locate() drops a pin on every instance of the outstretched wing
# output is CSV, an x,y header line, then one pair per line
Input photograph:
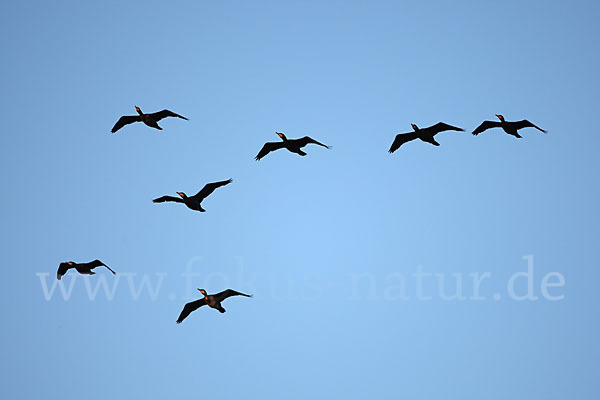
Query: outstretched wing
x,y
62,269
402,138
441,127
526,124
267,148
168,198
157,116
307,139
486,125
228,293
98,263
189,307
125,120
210,187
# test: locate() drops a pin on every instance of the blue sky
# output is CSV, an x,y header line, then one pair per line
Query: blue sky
x,y
330,244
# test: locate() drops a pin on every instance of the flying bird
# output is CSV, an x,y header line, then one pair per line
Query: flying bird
x,y
83,268
148,119
293,145
425,134
193,202
509,127
213,300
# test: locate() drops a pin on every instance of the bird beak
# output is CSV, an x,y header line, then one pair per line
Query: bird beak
x,y
181,195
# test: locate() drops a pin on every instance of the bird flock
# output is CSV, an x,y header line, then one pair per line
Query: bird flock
x,y
293,145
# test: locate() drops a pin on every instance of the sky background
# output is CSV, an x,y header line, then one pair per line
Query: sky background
x,y
322,241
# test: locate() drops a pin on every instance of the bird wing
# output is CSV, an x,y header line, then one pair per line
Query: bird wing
x,y
402,138
526,124
168,198
441,127
98,263
125,120
210,187
157,116
62,269
189,307
307,139
486,125
228,293
269,147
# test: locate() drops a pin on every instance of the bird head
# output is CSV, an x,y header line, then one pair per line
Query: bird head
x,y
281,135
139,110
182,195
500,117
62,268
203,292
415,127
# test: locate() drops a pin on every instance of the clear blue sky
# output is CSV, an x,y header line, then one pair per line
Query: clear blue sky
x,y
325,241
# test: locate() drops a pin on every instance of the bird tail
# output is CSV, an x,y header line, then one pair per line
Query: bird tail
x,y
221,310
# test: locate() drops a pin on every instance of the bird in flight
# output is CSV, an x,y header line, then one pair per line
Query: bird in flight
x,y
148,119
212,300
293,145
193,202
83,268
425,134
509,127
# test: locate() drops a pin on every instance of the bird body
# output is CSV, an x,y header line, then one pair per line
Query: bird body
x,y
425,134
83,268
149,119
213,301
194,202
292,145
511,128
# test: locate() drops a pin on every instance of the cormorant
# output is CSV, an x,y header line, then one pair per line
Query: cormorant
x,y
293,145
148,119
425,134
213,300
193,202
509,127
83,268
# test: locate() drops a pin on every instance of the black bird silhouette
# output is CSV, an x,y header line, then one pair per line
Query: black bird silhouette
x,y
425,134
193,202
148,119
213,300
509,127
83,268
293,145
